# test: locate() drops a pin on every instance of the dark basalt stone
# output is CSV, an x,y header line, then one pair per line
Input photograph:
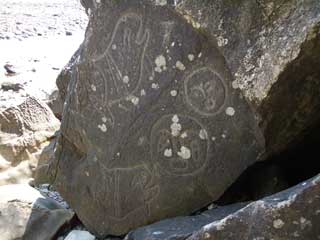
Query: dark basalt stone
x,y
152,127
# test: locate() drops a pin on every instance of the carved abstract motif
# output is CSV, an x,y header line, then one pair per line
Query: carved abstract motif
x,y
205,91
177,145
118,203
118,71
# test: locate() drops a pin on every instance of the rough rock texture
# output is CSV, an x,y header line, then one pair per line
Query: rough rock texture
x,y
152,117
26,214
25,129
272,49
79,235
182,227
154,111
291,214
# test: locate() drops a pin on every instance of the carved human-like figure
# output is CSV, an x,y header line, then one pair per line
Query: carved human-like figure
x,y
114,77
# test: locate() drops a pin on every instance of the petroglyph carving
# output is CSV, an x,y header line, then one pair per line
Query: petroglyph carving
x,y
205,92
119,69
176,146
142,187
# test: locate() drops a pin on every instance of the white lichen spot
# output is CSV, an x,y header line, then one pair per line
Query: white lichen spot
x,y
180,66
114,47
203,134
278,223
87,173
125,79
207,235
175,118
235,84
222,41
230,111
175,129
151,78
213,139
93,87
173,93
200,55
168,152
172,44
305,223
104,119
191,57
161,2
160,63
142,92
184,153
155,86
102,127
223,135
135,100
184,135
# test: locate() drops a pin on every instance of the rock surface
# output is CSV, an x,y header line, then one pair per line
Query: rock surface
x,y
79,235
291,214
25,130
272,49
182,227
150,115
26,214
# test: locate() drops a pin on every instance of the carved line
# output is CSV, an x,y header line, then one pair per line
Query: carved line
x,y
189,102
154,136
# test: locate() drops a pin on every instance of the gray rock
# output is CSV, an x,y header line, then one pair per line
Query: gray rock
x,y
272,49
150,115
291,214
79,235
25,129
26,214
182,227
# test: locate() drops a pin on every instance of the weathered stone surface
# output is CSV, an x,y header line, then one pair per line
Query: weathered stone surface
x,y
291,214
26,214
272,49
152,127
79,235
182,227
25,129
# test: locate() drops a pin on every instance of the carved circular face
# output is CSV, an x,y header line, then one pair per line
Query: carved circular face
x,y
205,92
179,145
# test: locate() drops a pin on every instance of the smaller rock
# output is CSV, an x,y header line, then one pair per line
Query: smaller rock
x,y
80,235
16,87
26,214
68,33
9,69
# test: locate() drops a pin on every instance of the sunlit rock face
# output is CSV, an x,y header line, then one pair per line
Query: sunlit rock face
x,y
152,125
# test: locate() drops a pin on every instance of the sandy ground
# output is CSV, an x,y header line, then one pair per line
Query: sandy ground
x,y
37,37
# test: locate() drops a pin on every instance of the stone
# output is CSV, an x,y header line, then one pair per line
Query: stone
x,y
291,214
272,49
25,130
135,158
79,235
182,227
16,87
26,214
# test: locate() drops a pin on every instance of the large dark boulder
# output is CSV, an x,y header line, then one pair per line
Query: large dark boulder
x,y
152,126
168,102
